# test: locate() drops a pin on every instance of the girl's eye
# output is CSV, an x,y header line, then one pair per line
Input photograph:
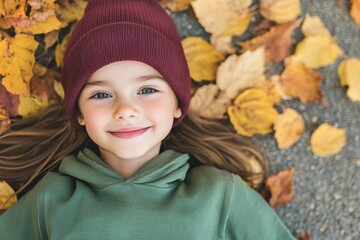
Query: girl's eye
x,y
101,95
147,90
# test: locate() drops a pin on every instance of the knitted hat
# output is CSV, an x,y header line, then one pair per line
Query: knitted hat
x,y
116,30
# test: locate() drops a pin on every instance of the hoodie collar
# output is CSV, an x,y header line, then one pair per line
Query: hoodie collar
x,y
165,170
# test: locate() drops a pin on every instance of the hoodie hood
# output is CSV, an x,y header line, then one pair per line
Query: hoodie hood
x,y
165,170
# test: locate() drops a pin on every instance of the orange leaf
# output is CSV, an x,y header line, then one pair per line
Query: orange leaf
x,y
176,5
4,120
299,81
281,188
355,11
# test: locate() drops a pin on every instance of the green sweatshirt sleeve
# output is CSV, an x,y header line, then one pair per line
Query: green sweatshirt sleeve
x,y
21,221
250,217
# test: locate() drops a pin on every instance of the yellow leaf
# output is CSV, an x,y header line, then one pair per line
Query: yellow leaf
x,y
38,27
223,44
313,25
289,127
30,105
7,196
17,60
4,120
70,11
60,50
240,72
271,90
237,28
203,58
217,16
317,51
209,102
280,11
59,89
176,5
355,11
349,74
252,113
327,140
10,11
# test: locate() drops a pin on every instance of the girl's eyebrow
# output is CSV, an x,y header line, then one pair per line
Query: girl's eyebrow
x,y
140,79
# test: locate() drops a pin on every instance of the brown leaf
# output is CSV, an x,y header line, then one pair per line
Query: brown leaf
x,y
355,11
303,236
281,188
280,11
277,41
43,86
327,140
50,39
299,81
8,102
289,128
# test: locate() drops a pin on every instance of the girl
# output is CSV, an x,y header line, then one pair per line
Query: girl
x,y
122,175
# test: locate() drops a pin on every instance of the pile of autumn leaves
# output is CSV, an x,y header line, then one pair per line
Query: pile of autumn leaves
x,y
233,83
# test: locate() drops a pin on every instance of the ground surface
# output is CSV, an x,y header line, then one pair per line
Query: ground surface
x,y
327,189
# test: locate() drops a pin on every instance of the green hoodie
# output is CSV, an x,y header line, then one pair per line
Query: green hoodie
x,y
162,200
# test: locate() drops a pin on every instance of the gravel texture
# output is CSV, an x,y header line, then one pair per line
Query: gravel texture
x,y
327,189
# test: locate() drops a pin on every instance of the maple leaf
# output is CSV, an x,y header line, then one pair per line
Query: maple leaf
x,y
16,62
208,101
355,11
239,72
327,140
252,113
277,41
203,59
280,11
281,188
289,128
7,196
176,5
299,81
218,16
349,74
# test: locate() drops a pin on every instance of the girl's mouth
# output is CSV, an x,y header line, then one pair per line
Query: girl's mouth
x,y
127,133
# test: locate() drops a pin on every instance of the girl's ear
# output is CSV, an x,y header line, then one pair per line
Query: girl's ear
x,y
177,113
81,120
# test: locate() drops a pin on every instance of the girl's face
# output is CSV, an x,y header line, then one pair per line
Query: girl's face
x,y
127,109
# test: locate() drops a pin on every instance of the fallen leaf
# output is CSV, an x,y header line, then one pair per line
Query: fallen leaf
x,y
8,102
281,188
317,51
349,74
277,41
240,72
327,140
11,11
217,16
7,196
50,39
313,26
208,101
43,87
59,89
280,11
303,236
271,90
252,113
289,128
223,44
299,81
31,105
275,79
4,120
70,11
176,5
60,50
16,62
355,11
203,59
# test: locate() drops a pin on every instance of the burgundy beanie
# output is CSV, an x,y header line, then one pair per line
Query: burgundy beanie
x,y
116,30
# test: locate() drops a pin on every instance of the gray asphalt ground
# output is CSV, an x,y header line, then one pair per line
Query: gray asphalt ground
x,y
327,189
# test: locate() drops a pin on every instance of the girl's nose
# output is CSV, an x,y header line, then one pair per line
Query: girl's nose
x,y
125,110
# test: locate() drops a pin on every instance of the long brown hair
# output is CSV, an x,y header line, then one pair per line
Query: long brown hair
x,y
33,146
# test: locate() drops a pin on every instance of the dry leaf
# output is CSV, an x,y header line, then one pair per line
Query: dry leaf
x,y
355,11
271,90
176,5
289,128
327,140
240,72
59,89
299,81
217,16
303,236
275,79
43,87
281,188
4,120
8,102
349,74
50,39
277,41
252,113
313,26
317,51
7,196
12,11
208,101
203,58
31,105
70,10
60,50
223,44
280,11
16,62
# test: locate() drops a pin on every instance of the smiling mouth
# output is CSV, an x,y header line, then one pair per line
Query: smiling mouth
x,y
129,133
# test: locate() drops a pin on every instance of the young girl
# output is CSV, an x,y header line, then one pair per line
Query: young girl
x,y
131,163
